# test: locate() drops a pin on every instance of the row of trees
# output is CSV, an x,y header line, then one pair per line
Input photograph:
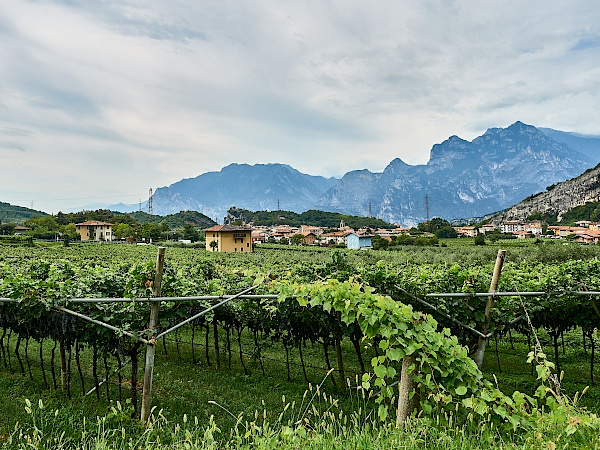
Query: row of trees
x,y
311,217
62,226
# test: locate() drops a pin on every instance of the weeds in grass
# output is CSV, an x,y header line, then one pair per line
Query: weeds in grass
x,y
316,421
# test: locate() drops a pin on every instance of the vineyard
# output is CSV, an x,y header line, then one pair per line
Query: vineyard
x,y
325,316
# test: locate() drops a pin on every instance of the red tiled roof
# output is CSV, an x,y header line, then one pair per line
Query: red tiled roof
x,y
593,233
93,223
228,228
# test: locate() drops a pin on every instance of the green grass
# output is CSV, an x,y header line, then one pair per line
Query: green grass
x,y
180,386
188,393
513,372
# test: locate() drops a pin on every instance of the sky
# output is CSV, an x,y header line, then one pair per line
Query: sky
x,y
102,100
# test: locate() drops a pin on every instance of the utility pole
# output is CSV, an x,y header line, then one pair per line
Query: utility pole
x,y
150,202
426,208
370,215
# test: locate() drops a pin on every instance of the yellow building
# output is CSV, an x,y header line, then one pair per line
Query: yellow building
x,y
228,238
92,230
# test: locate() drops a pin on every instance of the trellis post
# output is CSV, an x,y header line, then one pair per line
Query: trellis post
x,y
488,308
63,366
406,404
151,346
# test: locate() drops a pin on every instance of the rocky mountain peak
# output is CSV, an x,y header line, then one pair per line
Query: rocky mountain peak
x,y
462,180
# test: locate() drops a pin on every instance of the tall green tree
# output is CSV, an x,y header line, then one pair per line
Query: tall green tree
x,y
69,231
7,228
123,230
189,232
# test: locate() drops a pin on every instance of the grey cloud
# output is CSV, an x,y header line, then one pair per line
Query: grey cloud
x,y
13,146
14,131
49,96
306,122
181,80
137,19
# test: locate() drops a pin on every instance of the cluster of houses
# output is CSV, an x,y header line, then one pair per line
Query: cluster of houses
x,y
230,238
584,231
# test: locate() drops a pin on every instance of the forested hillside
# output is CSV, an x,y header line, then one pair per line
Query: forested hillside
x,y
17,214
312,217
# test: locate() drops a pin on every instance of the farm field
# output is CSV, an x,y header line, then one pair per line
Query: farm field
x,y
272,348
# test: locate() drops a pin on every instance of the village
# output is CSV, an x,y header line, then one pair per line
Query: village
x,y
242,237
234,238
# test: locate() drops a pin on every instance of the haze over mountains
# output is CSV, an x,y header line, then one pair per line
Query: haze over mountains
x,y
588,145
462,179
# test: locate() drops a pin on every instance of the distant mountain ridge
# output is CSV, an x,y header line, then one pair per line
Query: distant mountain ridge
x,y
462,179
588,145
257,187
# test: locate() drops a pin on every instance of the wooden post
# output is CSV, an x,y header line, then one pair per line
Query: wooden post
x,y
406,405
338,336
216,342
63,367
488,308
151,346
340,363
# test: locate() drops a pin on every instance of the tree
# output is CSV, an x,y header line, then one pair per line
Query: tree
x,y
446,232
7,228
45,227
69,231
434,225
480,240
150,231
49,223
213,245
297,239
125,219
189,232
61,219
123,230
379,243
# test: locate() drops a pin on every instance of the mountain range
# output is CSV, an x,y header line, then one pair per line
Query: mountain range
x,y
259,187
462,179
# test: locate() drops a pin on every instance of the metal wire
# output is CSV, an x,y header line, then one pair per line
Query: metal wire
x,y
274,296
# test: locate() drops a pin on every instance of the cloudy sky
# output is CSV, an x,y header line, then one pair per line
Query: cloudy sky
x,y
101,100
